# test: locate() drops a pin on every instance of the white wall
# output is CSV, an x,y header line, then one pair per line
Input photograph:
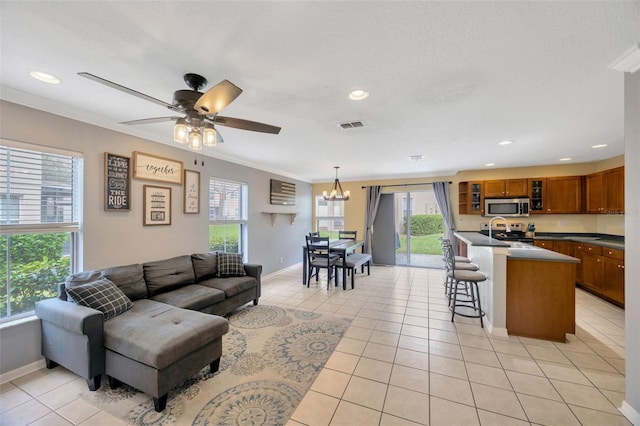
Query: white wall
x,y
631,405
118,238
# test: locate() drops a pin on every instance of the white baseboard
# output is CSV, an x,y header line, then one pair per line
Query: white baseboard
x,y
22,371
297,266
630,413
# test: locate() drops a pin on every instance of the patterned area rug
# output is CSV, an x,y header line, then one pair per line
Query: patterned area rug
x,y
270,358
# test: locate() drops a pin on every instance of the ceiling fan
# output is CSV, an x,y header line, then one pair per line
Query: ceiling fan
x,y
200,110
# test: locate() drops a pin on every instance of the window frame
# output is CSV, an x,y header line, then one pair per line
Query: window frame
x,y
331,206
241,216
37,196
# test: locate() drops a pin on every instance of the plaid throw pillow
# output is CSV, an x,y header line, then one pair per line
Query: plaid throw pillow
x,y
230,265
102,295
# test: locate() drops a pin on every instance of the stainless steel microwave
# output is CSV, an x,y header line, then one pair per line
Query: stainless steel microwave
x,y
506,207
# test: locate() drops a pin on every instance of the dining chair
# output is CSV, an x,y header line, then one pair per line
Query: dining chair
x,y
347,235
319,257
314,234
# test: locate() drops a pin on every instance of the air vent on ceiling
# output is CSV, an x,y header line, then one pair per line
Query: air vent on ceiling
x,y
351,124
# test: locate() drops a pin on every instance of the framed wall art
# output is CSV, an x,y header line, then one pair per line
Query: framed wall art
x,y
282,193
117,182
157,205
152,167
191,192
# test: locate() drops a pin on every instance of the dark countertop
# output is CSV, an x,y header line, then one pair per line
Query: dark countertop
x,y
603,240
518,251
479,240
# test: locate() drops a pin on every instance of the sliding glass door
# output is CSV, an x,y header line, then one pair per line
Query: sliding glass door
x,y
418,227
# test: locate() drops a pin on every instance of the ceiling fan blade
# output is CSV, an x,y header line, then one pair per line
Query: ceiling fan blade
x,y
129,91
239,123
216,98
150,120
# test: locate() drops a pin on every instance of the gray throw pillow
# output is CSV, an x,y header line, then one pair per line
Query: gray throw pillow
x,y
102,295
230,265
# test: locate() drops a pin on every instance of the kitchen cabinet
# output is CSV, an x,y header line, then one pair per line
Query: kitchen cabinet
x,y
505,188
613,183
547,244
613,261
592,268
605,191
470,198
537,188
595,199
555,195
563,194
603,272
540,299
565,247
601,269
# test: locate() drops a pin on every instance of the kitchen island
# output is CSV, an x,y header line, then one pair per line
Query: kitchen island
x,y
529,291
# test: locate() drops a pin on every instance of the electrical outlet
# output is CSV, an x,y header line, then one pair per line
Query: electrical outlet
x,y
282,260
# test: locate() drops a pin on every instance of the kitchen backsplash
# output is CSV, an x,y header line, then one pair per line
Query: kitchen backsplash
x,y
588,223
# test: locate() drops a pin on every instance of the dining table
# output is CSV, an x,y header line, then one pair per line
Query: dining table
x,y
342,248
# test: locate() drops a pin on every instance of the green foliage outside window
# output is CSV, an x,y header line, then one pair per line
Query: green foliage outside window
x,y
38,264
425,224
224,238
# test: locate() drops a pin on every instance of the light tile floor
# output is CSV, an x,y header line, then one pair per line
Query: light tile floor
x,y
403,362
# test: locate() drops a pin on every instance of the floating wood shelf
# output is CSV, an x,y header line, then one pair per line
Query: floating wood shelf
x,y
274,216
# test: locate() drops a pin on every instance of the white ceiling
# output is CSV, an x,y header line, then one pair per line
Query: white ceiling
x,y
448,80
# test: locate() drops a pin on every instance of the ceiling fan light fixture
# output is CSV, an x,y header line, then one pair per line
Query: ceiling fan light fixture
x,y
181,131
195,140
209,135
336,194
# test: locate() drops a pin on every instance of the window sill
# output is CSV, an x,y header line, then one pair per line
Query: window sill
x,y
8,323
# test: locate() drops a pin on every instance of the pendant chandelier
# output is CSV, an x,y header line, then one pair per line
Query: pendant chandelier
x,y
196,132
336,194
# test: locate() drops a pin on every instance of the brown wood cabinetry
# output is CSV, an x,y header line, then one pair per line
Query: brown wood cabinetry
x,y
565,247
470,198
613,190
614,275
601,192
537,188
555,195
548,244
601,269
595,200
540,299
563,194
605,191
505,188
592,268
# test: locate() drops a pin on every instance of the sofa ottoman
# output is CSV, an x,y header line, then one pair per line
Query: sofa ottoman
x,y
155,347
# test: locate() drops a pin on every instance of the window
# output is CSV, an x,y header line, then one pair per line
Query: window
x,y
227,216
329,217
40,202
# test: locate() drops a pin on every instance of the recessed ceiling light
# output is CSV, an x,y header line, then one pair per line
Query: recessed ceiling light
x,y
602,145
565,159
43,76
490,164
505,143
358,95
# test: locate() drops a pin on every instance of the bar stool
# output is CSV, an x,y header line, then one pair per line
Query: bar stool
x,y
459,259
458,265
464,283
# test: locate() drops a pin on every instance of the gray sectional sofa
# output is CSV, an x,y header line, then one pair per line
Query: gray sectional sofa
x,y
161,325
